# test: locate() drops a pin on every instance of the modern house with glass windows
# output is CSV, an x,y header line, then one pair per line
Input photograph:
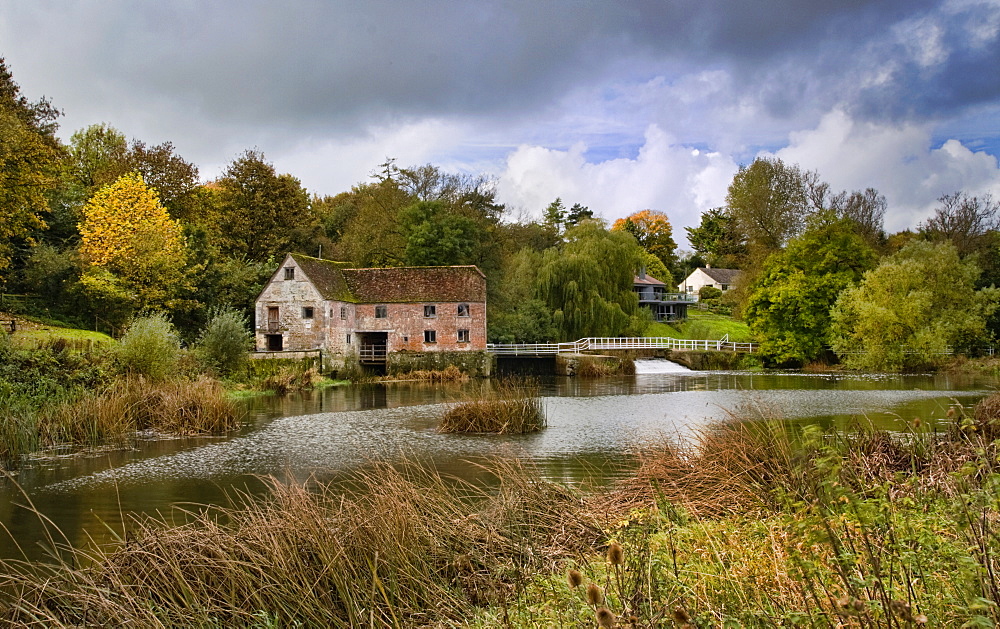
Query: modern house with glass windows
x,y
399,318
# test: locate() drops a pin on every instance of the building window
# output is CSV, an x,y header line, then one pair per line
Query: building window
x,y
725,287
348,338
463,336
307,312
430,310
343,312
463,310
381,312
289,272
430,336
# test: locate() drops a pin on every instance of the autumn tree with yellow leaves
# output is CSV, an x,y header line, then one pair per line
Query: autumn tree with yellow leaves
x,y
653,232
133,251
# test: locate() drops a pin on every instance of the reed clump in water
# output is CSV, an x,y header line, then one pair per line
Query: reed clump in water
x,y
115,413
511,406
397,548
451,373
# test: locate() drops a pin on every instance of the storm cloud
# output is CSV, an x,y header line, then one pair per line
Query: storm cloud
x,y
328,87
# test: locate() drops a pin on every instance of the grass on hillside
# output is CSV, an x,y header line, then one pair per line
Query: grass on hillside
x,y
73,338
702,325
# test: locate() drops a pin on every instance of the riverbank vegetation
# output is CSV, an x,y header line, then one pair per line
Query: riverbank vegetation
x,y
509,406
752,524
60,394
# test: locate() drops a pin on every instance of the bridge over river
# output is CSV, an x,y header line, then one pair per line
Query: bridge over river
x,y
591,344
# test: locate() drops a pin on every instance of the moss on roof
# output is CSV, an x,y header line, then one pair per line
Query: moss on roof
x,y
339,282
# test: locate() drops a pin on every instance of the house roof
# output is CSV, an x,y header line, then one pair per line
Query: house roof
x,y
722,276
648,280
338,281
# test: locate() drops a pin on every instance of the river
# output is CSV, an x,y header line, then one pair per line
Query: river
x,y
593,427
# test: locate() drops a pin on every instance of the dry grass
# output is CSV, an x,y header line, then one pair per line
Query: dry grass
x,y
114,414
398,548
451,373
290,378
510,406
603,366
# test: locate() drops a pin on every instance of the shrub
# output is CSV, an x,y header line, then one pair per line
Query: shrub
x,y
149,348
709,292
225,341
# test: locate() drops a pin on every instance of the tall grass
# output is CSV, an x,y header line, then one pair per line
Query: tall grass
x,y
510,406
397,548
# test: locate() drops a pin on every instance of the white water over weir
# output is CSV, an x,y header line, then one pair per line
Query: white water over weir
x,y
652,366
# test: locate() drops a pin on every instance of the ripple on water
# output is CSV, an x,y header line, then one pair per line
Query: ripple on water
x,y
577,426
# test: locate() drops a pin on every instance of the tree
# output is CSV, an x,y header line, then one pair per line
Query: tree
x,y
261,209
372,235
132,246
789,304
100,154
435,236
965,221
577,214
907,312
587,284
29,161
652,231
555,216
717,239
768,202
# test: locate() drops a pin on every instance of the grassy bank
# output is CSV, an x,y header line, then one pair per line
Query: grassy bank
x,y
702,325
752,524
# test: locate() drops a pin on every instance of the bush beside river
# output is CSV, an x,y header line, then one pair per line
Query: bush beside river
x,y
753,524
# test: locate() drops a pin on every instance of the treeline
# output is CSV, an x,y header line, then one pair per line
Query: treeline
x,y
104,228
823,281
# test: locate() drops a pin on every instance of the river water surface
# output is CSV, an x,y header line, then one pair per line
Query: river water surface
x,y
593,428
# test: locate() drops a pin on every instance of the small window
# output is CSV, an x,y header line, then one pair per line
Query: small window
x,y
289,272
381,312
725,287
348,338
463,310
343,312
430,310
307,312
430,336
463,336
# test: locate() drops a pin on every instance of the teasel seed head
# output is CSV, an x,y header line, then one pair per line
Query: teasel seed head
x,y
574,578
616,555
595,595
605,617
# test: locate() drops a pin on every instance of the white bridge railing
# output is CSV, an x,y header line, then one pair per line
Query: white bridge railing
x,y
601,343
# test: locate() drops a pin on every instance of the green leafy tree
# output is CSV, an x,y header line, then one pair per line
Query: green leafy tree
x,y
516,315
554,216
717,239
768,203
261,210
373,235
435,236
907,312
587,284
30,158
788,309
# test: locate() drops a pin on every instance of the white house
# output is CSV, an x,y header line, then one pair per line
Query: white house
x,y
723,279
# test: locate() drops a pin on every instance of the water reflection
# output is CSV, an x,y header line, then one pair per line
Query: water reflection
x,y
593,426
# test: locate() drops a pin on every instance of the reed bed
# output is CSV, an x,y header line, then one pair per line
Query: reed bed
x,y
511,406
451,373
399,547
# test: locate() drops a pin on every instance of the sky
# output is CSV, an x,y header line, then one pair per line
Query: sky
x,y
618,105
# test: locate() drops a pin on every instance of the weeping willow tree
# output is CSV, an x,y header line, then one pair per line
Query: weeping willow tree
x,y
587,283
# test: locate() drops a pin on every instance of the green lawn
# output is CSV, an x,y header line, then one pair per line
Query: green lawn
x,y
78,339
702,325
